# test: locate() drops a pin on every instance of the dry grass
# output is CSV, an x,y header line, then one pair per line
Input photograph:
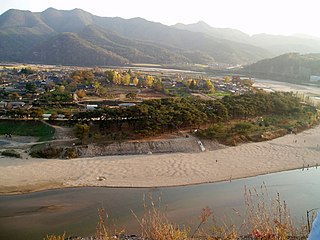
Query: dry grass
x,y
155,225
265,219
269,219
102,230
54,237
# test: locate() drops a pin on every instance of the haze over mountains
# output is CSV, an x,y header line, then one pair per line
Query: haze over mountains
x,y
275,44
77,37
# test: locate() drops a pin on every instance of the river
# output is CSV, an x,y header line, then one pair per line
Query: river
x,y
308,90
74,210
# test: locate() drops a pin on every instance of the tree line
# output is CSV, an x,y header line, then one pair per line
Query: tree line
x,y
172,114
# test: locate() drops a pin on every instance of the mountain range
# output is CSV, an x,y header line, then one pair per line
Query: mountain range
x,y
274,44
76,37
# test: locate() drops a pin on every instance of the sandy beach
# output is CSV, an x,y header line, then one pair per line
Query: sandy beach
x,y
289,152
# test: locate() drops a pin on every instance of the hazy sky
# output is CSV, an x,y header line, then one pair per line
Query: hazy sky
x,y
251,16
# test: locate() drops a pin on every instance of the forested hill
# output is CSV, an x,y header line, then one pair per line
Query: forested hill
x,y
34,37
292,67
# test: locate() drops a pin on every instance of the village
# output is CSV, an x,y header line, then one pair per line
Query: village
x,y
39,91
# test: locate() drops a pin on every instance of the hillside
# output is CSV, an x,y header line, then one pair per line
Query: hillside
x,y
69,49
135,40
133,50
291,67
275,44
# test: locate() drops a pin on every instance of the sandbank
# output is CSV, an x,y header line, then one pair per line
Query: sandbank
x,y
162,170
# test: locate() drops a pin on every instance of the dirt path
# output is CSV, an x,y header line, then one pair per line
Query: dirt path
x,y
61,132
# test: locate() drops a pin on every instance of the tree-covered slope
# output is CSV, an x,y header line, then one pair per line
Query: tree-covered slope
x,y
292,67
69,49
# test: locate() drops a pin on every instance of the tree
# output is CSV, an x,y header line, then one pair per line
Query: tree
x,y
82,131
208,85
37,113
131,95
26,71
61,88
111,75
117,78
135,81
158,85
53,116
227,79
31,87
97,87
149,80
81,93
193,84
126,79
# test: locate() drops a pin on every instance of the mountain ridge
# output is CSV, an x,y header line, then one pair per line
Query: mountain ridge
x,y
276,44
135,40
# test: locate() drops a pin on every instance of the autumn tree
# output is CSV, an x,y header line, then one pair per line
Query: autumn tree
x,y
97,87
148,81
193,84
208,85
227,79
81,93
117,78
135,81
126,79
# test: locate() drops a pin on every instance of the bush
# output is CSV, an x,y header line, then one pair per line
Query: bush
x,y
242,127
215,131
11,153
70,153
46,152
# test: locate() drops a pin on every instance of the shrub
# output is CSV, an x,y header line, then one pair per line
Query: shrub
x,y
70,153
46,152
242,127
11,153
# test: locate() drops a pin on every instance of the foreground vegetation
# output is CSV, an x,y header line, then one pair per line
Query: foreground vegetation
x,y
263,219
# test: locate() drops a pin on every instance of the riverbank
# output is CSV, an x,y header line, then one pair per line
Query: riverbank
x,y
22,175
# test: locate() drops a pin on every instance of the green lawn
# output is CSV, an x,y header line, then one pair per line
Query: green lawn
x,y
27,128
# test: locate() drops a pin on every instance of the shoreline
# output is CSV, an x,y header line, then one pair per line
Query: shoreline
x,y
152,187
27,175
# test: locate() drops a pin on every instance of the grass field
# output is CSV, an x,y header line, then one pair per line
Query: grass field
x,y
27,128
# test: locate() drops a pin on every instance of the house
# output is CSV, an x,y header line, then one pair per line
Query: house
x,y
91,106
126,104
12,105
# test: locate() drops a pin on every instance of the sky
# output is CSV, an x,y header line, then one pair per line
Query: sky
x,y
283,17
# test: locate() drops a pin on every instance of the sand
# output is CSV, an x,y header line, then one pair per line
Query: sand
x,y
251,159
